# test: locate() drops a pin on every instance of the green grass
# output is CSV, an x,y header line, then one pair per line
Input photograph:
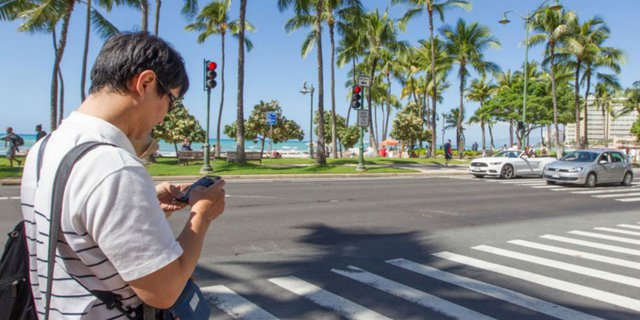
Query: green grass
x,y
10,172
171,167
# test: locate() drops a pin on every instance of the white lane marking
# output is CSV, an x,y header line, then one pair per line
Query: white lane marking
x,y
257,197
410,294
629,200
510,296
592,244
543,187
578,254
569,267
633,194
606,190
326,299
629,226
557,284
605,237
523,182
234,305
632,233
9,198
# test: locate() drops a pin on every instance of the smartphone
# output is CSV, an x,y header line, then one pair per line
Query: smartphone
x,y
205,181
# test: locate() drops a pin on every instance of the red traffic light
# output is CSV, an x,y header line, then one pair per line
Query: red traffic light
x,y
212,65
357,89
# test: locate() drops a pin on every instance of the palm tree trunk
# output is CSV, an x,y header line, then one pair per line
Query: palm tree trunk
x,y
334,134
354,82
577,105
510,133
157,22
85,53
549,143
241,157
218,146
388,113
144,9
58,57
372,138
460,114
493,147
375,122
484,146
555,101
586,112
320,154
61,97
434,94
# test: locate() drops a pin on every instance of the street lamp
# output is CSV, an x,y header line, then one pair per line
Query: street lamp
x,y
527,19
310,90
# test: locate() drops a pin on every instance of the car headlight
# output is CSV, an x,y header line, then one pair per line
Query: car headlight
x,y
494,163
574,170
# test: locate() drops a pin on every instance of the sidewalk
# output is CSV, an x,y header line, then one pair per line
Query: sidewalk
x,y
422,170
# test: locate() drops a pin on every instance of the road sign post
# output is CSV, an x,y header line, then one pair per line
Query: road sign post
x,y
272,120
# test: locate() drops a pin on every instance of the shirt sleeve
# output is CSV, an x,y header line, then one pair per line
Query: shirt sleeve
x,y
123,216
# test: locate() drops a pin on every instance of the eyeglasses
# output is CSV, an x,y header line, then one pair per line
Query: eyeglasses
x,y
174,101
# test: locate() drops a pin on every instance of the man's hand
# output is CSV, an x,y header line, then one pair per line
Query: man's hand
x,y
208,202
167,194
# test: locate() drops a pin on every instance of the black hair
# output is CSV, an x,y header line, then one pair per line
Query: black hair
x,y
125,55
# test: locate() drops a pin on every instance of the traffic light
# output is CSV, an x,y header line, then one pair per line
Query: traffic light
x,y
355,97
210,71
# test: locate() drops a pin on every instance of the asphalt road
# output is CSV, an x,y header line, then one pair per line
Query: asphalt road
x,y
479,249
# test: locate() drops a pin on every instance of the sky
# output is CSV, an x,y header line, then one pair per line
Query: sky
x,y
274,69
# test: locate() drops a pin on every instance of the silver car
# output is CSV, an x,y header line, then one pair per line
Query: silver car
x,y
590,167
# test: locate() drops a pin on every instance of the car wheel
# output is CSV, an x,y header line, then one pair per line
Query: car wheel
x,y
507,172
551,182
591,180
628,177
479,176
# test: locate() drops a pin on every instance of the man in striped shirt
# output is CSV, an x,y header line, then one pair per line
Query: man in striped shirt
x,y
114,234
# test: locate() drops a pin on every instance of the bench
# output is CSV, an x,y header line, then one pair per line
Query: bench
x,y
185,156
249,155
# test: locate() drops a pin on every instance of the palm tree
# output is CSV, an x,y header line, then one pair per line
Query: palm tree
x,y
552,28
303,10
380,37
104,28
464,45
480,91
189,9
632,99
604,96
214,20
241,156
582,44
440,7
350,48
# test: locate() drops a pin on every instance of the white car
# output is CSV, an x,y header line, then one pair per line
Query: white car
x,y
509,164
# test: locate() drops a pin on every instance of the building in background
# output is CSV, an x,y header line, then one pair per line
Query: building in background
x,y
605,125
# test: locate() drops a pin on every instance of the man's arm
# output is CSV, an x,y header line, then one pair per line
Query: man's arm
x,y
162,288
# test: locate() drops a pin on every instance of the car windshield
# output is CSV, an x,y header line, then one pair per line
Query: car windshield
x,y
580,156
508,154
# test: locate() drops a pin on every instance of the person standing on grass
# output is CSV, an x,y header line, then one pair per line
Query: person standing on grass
x,y
448,153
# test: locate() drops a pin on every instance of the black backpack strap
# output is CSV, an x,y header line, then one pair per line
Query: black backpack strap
x,y
60,182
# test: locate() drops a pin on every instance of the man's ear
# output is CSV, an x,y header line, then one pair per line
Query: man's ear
x,y
144,82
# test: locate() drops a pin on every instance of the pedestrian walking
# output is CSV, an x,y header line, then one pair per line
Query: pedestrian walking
x,y
448,153
40,133
12,142
114,236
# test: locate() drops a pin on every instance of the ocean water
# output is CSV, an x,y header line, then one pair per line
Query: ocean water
x,y
292,146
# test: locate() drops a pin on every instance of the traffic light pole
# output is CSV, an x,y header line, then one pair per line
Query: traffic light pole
x,y
361,166
206,168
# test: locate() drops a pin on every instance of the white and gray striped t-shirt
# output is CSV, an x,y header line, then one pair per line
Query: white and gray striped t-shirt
x,y
114,230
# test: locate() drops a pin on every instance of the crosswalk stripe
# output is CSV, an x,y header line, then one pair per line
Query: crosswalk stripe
x,y
497,292
632,233
410,294
633,194
606,190
629,199
634,282
629,226
592,244
234,305
561,285
578,254
523,182
342,306
605,237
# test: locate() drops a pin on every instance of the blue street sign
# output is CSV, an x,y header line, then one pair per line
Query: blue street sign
x,y
271,118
